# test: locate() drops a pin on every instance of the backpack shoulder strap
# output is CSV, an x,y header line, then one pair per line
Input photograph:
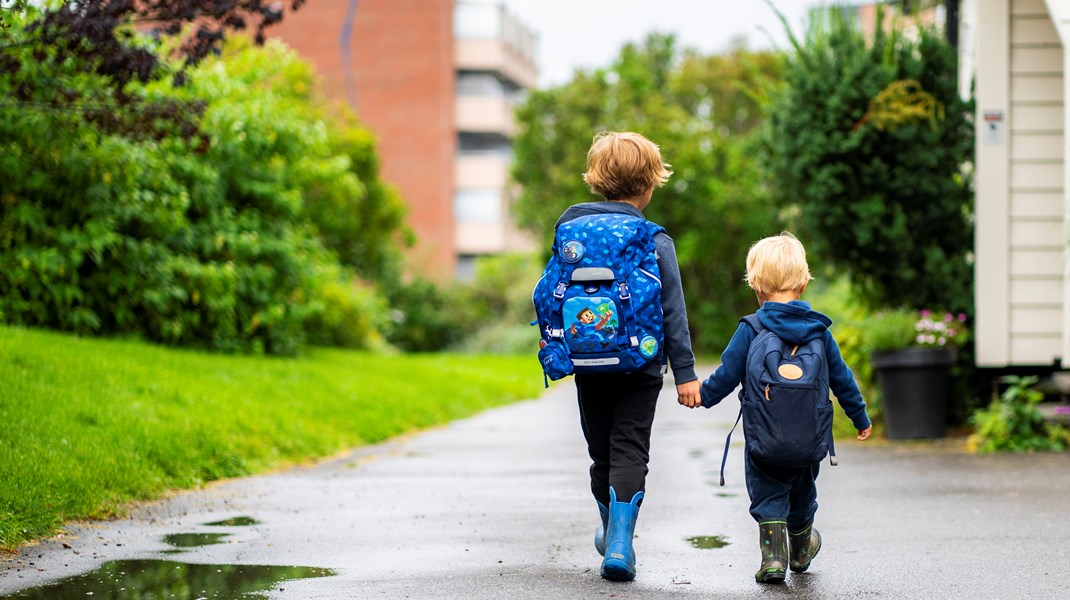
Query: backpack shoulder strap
x,y
754,322
654,228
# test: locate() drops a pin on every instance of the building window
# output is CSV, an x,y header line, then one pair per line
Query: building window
x,y
466,267
478,206
472,83
469,143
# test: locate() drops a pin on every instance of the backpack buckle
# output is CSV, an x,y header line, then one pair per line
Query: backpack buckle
x,y
625,291
559,291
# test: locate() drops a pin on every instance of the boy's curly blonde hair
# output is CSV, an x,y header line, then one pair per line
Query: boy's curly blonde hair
x,y
777,264
622,165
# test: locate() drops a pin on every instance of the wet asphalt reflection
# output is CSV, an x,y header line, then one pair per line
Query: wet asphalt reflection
x,y
152,578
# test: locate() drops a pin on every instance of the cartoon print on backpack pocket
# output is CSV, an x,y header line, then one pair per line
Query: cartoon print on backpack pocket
x,y
592,323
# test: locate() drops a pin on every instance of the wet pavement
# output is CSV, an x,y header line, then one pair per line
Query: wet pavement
x,y
498,506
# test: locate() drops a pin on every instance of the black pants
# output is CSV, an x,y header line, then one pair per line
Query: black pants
x,y
616,414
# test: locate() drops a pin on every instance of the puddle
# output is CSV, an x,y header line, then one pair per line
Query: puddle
x,y
234,522
136,579
707,542
194,540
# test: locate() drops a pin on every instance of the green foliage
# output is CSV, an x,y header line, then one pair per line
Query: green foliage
x,y
90,425
365,229
228,240
499,299
426,317
865,146
700,111
1012,422
490,313
890,330
902,328
851,321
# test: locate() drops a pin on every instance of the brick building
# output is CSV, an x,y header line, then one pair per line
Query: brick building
x,y
436,80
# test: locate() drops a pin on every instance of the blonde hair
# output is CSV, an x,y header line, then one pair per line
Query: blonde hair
x,y
777,264
622,165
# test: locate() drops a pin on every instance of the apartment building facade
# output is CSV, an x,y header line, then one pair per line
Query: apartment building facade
x,y
436,81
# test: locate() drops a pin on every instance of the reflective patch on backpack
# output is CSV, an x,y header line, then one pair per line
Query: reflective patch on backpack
x,y
648,347
572,252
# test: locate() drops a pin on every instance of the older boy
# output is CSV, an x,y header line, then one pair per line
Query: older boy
x,y
617,410
783,500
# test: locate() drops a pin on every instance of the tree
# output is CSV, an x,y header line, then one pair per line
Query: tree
x,y
701,111
866,148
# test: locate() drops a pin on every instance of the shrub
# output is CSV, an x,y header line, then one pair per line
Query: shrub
x,y
426,317
1012,422
203,240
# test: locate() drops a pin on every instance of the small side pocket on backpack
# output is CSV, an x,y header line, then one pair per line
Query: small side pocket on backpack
x,y
555,360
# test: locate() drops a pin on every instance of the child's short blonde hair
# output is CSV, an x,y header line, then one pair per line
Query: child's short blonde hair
x,y
777,264
622,165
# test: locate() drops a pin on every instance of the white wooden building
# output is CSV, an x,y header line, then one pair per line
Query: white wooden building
x,y
1021,267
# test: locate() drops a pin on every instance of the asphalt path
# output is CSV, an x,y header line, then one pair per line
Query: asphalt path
x,y
498,506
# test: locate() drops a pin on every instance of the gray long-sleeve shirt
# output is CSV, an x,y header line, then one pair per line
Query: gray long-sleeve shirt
x,y
677,335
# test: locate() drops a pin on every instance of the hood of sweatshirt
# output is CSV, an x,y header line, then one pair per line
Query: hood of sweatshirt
x,y
597,208
794,322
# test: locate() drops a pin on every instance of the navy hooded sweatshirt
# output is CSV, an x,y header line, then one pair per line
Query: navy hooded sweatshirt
x,y
677,336
796,323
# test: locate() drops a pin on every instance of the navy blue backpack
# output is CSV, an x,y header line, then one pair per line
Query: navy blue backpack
x,y
784,403
598,303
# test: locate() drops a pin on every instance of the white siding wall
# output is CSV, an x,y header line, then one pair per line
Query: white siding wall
x,y
1036,228
1020,189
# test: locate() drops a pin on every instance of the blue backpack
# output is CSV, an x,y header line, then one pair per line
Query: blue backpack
x,y
598,303
784,403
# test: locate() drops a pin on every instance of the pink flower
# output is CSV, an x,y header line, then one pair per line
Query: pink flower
x,y
925,314
962,317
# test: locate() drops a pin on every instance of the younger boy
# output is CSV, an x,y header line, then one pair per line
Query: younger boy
x,y
783,500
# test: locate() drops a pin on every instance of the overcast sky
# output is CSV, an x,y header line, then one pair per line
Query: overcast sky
x,y
584,34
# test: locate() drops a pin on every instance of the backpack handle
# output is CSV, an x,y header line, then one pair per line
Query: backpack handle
x,y
593,274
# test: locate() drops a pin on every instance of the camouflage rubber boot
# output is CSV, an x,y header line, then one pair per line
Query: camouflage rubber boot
x,y
773,537
804,547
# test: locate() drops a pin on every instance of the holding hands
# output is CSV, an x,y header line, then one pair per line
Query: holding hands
x,y
688,395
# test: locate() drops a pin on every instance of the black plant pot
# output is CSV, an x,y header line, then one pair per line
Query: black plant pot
x,y
914,385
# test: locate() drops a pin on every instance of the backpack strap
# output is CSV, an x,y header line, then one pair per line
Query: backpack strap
x,y
724,459
625,294
754,322
756,325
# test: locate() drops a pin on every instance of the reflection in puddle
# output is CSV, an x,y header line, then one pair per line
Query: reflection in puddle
x,y
136,579
194,540
707,542
234,522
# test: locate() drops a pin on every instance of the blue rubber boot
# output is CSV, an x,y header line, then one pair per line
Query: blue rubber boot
x,y
619,562
600,533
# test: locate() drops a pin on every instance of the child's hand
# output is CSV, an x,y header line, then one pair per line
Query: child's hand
x,y
688,395
863,434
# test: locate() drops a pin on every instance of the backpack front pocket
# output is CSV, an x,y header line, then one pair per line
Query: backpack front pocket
x,y
555,360
785,425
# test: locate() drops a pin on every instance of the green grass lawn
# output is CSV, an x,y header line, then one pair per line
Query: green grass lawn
x,y
89,425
